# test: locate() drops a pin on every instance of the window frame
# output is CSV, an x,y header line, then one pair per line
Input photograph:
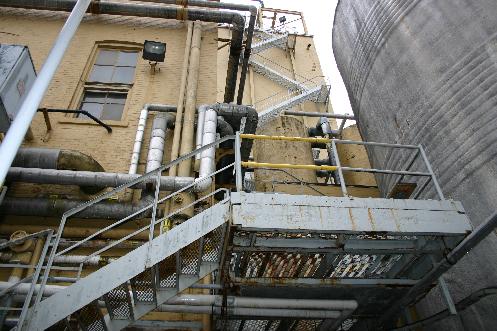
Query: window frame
x,y
84,85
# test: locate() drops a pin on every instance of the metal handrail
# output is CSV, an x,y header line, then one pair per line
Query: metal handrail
x,y
157,172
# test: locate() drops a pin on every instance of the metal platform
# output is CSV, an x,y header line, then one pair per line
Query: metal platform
x,y
368,250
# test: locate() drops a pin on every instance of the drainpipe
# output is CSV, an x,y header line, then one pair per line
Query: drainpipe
x,y
468,243
15,135
162,122
20,125
181,100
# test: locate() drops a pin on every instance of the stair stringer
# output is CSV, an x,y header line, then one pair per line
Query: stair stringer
x,y
91,288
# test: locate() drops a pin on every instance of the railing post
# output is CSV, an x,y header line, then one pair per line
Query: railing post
x,y
238,164
154,207
430,170
339,168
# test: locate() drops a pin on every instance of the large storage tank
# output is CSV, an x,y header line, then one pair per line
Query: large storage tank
x,y
425,72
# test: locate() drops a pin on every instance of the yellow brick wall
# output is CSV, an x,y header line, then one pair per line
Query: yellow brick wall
x,y
38,31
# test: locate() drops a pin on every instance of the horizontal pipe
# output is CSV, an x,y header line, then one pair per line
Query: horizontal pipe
x,y
74,232
316,114
253,312
284,138
288,166
89,178
42,207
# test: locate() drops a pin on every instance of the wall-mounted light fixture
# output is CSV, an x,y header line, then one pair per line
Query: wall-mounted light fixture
x,y
154,52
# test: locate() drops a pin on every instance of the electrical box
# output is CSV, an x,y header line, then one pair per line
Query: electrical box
x,y
17,75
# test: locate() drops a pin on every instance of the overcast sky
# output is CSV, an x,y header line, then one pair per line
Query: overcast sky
x,y
319,16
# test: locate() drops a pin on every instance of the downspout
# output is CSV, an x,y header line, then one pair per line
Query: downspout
x,y
207,159
181,100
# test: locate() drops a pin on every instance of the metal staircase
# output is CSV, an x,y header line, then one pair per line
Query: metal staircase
x,y
141,280
299,91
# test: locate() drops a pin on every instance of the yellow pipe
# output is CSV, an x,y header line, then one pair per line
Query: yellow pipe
x,y
303,139
288,166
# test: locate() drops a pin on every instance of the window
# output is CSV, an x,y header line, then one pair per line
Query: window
x,y
108,83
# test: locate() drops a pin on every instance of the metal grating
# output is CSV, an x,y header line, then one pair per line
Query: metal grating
x,y
90,318
364,266
307,325
118,303
143,287
167,272
347,324
190,258
273,325
213,245
255,325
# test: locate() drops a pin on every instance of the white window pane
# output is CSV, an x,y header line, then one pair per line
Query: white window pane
x,y
123,75
101,74
93,108
127,59
112,112
107,57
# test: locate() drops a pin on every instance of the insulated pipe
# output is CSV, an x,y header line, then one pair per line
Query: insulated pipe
x,y
93,179
162,122
19,127
181,100
259,312
41,207
64,259
184,168
207,158
468,243
142,122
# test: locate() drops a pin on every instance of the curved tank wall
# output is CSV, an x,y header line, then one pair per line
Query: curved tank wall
x,y
425,72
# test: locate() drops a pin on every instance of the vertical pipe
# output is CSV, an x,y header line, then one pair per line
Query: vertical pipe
x,y
15,135
181,100
238,164
135,156
184,168
340,173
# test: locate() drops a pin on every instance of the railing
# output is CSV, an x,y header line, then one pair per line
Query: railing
x,y
417,149
152,208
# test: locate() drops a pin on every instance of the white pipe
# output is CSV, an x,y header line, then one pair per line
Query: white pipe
x,y
142,122
200,127
23,288
135,156
207,159
15,136
158,140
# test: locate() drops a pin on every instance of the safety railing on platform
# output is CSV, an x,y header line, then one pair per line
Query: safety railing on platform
x,y
418,154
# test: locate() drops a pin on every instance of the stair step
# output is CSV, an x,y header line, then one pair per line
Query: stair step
x,y
90,318
275,41
118,303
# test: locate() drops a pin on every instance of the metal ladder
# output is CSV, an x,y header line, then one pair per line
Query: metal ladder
x,y
141,280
